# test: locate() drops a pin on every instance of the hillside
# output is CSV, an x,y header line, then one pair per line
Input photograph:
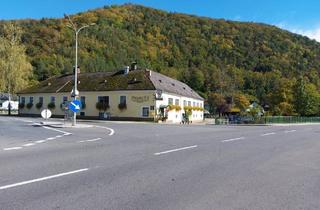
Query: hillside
x,y
255,60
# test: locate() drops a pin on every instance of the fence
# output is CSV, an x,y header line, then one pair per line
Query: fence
x,y
290,119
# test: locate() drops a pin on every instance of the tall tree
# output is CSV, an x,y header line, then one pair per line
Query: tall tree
x,y
15,69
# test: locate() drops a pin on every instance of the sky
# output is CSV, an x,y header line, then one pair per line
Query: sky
x,y
298,16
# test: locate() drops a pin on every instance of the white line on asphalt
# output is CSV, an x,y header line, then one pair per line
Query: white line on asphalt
x,y
90,140
110,129
175,150
65,133
268,134
42,179
51,138
235,139
12,148
40,141
59,136
28,145
290,131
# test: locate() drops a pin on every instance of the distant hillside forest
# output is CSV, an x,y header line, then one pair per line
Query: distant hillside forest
x,y
229,63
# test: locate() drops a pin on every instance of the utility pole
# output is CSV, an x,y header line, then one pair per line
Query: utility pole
x,y
75,92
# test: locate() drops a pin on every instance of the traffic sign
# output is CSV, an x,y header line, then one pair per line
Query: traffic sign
x,y
75,106
46,114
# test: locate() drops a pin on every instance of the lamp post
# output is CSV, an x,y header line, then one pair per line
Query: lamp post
x,y
75,92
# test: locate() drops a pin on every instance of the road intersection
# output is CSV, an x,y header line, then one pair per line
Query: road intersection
x,y
108,165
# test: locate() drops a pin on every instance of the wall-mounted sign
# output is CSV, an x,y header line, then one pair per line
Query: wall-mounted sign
x,y
140,99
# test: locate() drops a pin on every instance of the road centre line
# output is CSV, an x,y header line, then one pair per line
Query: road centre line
x,y
110,129
268,134
176,150
42,179
90,140
235,139
28,145
12,148
290,131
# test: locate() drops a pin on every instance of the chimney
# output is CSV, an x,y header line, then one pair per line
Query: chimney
x,y
133,66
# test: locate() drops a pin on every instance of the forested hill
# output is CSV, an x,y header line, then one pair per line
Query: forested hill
x,y
210,55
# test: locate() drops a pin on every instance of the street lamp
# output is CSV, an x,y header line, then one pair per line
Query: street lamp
x,y
76,30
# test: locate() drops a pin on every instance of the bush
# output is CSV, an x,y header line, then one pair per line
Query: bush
x,y
21,105
102,106
51,105
29,105
122,106
39,105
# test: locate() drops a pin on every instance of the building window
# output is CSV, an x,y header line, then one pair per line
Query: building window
x,y
123,99
198,105
103,99
177,102
83,101
151,108
145,111
53,99
64,98
184,103
189,103
23,100
41,100
194,104
82,114
170,101
201,105
31,100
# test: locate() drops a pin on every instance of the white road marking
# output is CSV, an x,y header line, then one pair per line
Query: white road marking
x,y
110,129
235,139
290,131
59,136
51,138
64,133
40,141
90,140
28,145
42,179
268,134
12,148
176,150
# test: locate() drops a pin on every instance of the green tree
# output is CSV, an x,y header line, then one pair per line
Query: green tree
x,y
15,70
306,98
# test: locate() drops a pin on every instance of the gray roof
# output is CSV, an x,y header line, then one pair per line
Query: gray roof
x,y
169,85
110,81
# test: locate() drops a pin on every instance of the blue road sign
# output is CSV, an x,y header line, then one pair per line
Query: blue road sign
x,y
75,105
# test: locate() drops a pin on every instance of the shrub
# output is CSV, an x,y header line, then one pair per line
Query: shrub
x,y
122,106
51,105
21,105
29,105
102,106
39,105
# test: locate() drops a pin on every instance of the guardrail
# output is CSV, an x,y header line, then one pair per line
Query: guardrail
x,y
290,119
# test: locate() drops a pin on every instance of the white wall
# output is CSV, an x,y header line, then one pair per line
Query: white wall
x,y
176,116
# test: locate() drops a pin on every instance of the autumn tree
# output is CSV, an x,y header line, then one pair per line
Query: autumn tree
x,y
15,69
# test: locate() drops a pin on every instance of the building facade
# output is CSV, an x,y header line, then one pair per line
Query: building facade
x,y
124,95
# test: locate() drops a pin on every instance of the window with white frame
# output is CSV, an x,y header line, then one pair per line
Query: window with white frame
x,y
53,99
177,102
123,99
189,103
145,111
170,101
31,100
184,103
23,100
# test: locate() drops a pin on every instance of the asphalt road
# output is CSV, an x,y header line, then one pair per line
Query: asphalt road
x,y
152,166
